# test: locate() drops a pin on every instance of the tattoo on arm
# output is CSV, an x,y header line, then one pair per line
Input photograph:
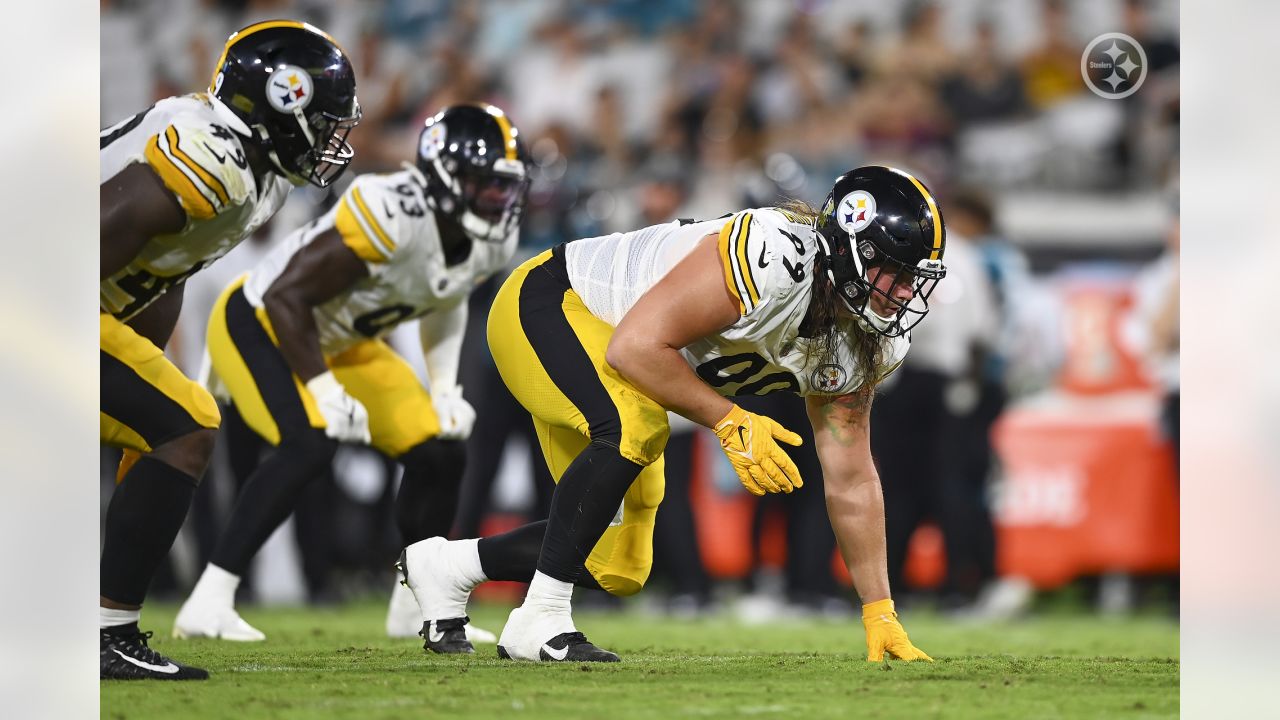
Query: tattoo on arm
x,y
847,415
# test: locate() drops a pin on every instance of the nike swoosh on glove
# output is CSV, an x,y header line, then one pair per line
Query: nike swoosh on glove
x,y
345,418
456,415
748,441
886,634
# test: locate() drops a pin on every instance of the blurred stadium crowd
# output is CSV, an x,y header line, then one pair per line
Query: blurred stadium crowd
x,y
1062,217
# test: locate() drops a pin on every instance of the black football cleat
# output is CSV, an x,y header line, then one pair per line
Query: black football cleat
x,y
127,657
568,647
448,637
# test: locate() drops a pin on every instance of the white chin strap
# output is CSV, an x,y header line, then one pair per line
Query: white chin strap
x,y
477,227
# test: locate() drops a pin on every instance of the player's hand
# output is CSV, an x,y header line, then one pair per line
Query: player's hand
x,y
748,441
457,417
886,634
345,418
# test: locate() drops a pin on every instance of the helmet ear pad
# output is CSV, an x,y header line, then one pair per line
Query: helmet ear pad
x,y
843,268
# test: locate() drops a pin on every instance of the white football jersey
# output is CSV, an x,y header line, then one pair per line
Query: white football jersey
x,y
768,258
195,154
386,221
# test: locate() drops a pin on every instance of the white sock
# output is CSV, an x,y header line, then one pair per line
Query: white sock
x,y
547,593
216,586
465,557
110,617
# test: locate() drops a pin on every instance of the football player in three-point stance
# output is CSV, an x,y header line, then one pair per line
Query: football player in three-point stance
x,y
182,183
297,345
598,338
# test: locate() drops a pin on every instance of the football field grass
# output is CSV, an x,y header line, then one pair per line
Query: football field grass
x,y
337,663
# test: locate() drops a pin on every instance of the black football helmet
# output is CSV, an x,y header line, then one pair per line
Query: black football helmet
x,y
880,228
289,88
475,169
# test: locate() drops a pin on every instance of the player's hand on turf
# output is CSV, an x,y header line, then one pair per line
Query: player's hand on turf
x,y
886,635
748,441
345,418
457,417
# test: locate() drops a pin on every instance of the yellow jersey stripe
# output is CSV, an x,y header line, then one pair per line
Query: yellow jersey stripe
x,y
193,201
354,235
744,261
205,176
727,234
933,211
508,139
256,27
372,223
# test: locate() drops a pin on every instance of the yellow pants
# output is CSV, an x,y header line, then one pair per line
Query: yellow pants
x,y
273,401
145,400
550,351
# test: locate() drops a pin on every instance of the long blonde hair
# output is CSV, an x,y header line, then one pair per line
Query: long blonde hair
x,y
826,310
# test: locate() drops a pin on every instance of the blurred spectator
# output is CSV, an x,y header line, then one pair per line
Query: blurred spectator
x,y
924,439
1161,48
808,583
985,88
1154,327
1052,70
924,52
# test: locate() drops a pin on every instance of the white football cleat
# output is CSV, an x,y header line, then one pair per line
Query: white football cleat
x,y
441,588
533,633
222,623
404,618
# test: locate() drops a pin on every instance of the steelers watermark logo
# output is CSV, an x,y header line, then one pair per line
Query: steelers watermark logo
x,y
1114,66
828,378
432,141
289,88
856,211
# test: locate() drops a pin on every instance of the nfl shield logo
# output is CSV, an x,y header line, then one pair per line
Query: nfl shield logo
x,y
828,378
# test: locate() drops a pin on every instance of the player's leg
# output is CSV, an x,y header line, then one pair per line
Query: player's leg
x,y
277,407
550,351
403,424
147,406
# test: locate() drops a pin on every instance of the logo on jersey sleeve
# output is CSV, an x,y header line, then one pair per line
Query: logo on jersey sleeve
x,y
856,211
828,378
289,88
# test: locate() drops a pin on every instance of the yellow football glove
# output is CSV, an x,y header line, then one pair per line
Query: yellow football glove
x,y
748,441
885,633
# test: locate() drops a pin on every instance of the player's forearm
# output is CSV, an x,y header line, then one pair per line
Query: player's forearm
x,y
441,337
662,374
296,331
856,509
157,321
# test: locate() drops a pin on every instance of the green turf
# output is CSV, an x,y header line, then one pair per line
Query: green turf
x,y
338,664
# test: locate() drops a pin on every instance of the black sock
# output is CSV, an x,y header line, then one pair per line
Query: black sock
x,y
270,495
585,501
145,515
428,496
513,556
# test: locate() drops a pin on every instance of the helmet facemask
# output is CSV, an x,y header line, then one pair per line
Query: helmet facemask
x,y
492,201
866,283
322,139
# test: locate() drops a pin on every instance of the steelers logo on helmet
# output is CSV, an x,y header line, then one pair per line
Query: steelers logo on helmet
x,y
289,88
432,142
856,211
828,377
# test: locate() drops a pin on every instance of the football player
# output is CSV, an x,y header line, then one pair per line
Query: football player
x,y
183,182
598,338
297,342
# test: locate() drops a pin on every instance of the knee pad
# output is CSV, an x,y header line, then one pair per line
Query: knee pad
x,y
621,561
